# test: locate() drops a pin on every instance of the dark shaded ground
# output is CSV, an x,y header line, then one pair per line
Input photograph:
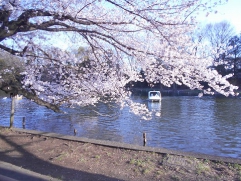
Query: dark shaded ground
x,y
74,161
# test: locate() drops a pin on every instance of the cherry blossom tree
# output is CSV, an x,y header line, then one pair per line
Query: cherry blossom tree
x,y
120,38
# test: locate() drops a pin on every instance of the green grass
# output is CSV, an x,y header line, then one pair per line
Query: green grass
x,y
97,156
175,178
202,168
137,162
237,166
61,156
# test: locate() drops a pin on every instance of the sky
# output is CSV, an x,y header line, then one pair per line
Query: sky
x,y
230,11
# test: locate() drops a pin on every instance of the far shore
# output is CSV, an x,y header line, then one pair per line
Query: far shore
x,y
174,92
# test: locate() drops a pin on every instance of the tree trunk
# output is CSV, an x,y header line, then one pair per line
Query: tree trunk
x,y
12,113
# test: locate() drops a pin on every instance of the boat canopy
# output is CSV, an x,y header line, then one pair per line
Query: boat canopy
x,y
154,95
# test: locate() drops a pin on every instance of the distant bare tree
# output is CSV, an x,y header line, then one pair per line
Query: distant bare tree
x,y
218,36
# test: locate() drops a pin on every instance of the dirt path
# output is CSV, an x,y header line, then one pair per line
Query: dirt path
x,y
74,161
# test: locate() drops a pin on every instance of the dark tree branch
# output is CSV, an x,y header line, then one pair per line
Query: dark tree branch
x,y
39,101
9,50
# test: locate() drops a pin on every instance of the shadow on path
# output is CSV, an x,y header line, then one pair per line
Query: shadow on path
x,y
29,161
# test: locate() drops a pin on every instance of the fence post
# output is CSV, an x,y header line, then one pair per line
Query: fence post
x,y
144,139
23,122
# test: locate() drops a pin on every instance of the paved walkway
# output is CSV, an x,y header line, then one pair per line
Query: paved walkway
x,y
9,172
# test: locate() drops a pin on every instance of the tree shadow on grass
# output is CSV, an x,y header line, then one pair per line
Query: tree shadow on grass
x,y
29,161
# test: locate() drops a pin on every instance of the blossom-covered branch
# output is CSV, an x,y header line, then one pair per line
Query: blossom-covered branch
x,y
119,38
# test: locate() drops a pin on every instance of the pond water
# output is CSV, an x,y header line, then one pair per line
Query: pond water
x,y
207,125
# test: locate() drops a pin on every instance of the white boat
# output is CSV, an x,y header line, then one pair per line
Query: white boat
x,y
154,96
18,97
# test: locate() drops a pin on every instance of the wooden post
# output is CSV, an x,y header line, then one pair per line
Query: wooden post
x,y
12,112
144,139
23,122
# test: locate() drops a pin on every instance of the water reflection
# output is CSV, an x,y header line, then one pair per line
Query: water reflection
x,y
154,106
206,125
